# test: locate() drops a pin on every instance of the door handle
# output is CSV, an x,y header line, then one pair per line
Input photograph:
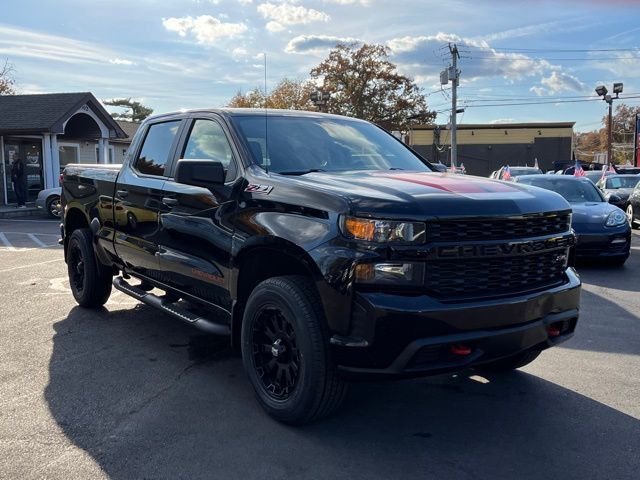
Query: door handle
x,y
169,201
122,193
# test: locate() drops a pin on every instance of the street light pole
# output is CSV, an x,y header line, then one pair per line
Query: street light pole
x,y
604,93
610,133
453,76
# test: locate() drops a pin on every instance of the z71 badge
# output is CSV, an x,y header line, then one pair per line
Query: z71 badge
x,y
255,188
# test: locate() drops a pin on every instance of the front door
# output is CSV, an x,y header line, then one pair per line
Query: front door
x,y
30,151
138,199
195,244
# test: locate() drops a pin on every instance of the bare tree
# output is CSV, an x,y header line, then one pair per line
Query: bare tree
x,y
7,80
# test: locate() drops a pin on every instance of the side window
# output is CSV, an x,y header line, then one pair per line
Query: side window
x,y
156,148
207,141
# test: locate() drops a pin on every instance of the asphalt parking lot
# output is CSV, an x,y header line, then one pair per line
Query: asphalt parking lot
x,y
124,392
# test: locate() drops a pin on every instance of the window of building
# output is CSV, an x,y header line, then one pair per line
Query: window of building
x,y
68,153
156,148
98,159
207,141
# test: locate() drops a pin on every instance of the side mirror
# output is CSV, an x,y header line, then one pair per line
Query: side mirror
x,y
200,173
613,198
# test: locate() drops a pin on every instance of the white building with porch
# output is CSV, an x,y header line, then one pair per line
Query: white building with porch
x,y
49,131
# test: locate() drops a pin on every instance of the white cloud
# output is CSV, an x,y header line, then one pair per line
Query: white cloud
x,y
239,52
558,82
273,26
205,28
245,2
283,14
364,3
121,61
316,43
502,120
422,55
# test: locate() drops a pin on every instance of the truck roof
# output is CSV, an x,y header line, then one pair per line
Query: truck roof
x,y
271,112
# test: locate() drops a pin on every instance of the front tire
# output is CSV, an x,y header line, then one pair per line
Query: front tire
x,y
630,214
285,350
510,363
90,281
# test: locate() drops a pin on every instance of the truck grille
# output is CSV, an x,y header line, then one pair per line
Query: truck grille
x,y
472,278
498,228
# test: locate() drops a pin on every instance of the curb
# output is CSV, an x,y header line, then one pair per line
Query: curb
x,y
22,212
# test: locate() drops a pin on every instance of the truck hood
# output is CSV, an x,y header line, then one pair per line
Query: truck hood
x,y
421,194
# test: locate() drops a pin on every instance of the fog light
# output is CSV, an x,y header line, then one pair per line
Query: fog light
x,y
389,273
619,240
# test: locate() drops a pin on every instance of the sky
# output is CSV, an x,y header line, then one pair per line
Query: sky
x,y
175,54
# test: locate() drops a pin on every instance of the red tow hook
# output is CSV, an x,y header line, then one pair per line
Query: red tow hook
x,y
553,331
460,349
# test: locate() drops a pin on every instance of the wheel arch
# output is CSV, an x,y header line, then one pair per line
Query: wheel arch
x,y
260,261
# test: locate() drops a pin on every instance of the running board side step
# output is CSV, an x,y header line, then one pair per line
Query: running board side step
x,y
170,308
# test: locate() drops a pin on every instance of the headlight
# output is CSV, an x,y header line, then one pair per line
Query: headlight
x,y
396,274
616,218
383,231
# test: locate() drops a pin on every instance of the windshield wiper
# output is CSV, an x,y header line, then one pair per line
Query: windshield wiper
x,y
302,172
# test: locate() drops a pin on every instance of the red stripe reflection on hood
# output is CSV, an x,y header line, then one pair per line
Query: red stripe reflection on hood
x,y
447,183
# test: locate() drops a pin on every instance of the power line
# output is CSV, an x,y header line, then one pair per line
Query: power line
x,y
541,102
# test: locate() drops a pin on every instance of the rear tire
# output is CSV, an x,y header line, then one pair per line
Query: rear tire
x,y
510,363
53,206
285,350
90,281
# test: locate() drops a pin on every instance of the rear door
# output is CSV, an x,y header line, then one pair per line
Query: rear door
x,y
195,246
138,198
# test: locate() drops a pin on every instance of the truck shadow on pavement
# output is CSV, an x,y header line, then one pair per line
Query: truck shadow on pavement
x,y
147,397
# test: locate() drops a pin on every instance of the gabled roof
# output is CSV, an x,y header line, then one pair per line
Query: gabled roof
x,y
46,113
129,128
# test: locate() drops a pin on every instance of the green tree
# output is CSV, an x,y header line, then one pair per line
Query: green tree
x,y
7,80
137,113
287,94
364,84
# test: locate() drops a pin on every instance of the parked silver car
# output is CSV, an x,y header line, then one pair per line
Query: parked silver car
x,y
49,200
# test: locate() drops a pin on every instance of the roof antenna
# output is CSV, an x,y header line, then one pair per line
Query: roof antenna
x,y
266,116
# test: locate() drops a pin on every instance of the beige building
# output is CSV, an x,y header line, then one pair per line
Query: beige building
x,y
484,148
49,131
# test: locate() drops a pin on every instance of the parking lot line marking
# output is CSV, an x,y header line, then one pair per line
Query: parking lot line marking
x,y
6,242
36,240
34,233
33,221
31,266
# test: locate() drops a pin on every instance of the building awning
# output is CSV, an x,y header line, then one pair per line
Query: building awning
x,y
47,113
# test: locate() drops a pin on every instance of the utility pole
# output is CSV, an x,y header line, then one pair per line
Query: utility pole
x,y
453,76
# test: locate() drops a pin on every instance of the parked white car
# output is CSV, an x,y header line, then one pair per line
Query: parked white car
x,y
49,200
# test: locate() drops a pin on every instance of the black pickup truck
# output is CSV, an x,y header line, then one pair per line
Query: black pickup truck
x,y
325,248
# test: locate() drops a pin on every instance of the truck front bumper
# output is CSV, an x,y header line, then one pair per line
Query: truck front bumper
x,y
403,336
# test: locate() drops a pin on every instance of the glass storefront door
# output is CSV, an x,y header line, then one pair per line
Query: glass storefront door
x,y
30,151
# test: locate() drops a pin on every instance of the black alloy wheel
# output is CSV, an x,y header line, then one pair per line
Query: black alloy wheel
x,y
90,280
75,261
285,351
276,357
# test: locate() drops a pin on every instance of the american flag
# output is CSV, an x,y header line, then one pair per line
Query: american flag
x,y
506,173
578,171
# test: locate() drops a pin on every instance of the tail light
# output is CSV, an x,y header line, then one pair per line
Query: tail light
x,y
60,179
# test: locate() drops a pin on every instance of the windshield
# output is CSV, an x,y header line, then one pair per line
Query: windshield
x,y
573,190
515,171
298,145
614,183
